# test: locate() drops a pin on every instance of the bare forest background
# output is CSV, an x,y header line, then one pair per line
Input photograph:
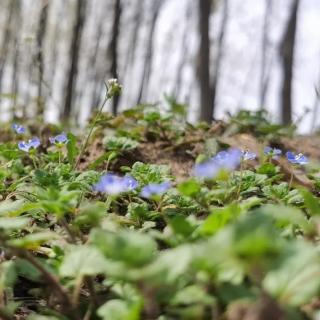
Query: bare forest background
x,y
214,55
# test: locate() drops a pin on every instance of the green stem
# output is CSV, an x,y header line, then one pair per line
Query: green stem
x,y
85,144
291,180
108,202
241,178
34,161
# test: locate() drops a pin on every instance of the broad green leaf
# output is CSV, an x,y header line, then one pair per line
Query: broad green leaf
x,y
9,207
189,188
13,223
133,248
190,295
82,261
297,280
117,309
180,225
219,218
33,240
311,202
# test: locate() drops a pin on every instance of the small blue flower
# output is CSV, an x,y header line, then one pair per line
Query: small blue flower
x,y
30,144
60,139
272,152
155,189
18,128
297,158
130,183
113,184
248,155
227,160
208,169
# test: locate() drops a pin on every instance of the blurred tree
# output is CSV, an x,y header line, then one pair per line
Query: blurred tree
x,y
220,48
6,38
287,49
183,53
15,52
113,49
203,72
149,54
41,33
265,59
74,57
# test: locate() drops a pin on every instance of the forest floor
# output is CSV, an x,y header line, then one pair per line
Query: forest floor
x,y
79,241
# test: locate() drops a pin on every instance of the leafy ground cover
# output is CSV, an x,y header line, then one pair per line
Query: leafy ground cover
x,y
156,218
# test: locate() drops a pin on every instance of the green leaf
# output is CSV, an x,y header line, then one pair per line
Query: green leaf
x,y
117,309
297,280
33,240
72,149
170,264
311,202
219,218
189,188
119,143
180,225
133,248
190,295
13,223
8,274
82,261
91,214
9,207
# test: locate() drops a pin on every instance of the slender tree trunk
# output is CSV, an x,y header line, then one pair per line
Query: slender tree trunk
x,y
94,76
220,47
74,58
183,53
114,49
134,36
204,61
287,55
149,56
41,32
265,61
6,40
15,55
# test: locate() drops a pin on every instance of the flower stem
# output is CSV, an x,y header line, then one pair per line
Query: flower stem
x,y
85,144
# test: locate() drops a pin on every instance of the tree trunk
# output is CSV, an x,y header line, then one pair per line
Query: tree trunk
x,y
134,35
149,56
217,71
265,60
114,50
74,58
41,32
16,21
183,53
287,55
204,61
6,40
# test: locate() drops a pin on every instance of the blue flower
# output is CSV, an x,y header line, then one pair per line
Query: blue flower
x,y
248,155
18,128
155,189
227,160
207,169
272,152
59,139
30,144
113,184
130,183
297,158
